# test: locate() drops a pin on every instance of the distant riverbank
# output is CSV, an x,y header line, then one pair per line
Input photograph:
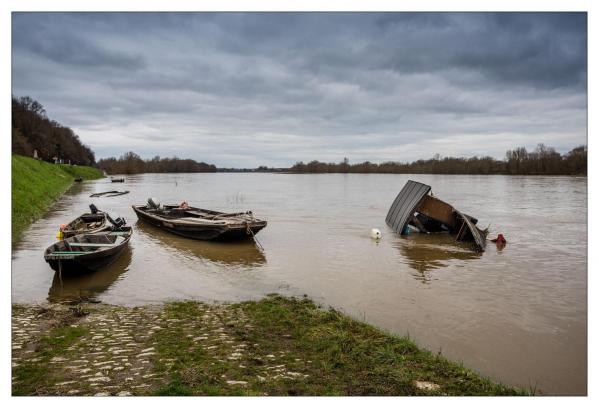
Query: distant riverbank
x,y
275,346
36,185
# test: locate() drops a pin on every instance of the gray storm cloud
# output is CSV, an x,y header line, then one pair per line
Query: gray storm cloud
x,y
253,89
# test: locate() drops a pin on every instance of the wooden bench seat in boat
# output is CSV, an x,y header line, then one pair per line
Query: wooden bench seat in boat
x,y
88,244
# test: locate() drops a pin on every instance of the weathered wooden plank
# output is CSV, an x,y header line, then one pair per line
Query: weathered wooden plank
x,y
438,210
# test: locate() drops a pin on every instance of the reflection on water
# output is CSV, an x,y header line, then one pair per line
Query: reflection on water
x,y
237,253
89,285
517,314
427,252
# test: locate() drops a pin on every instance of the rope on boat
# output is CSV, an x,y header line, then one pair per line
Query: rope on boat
x,y
250,232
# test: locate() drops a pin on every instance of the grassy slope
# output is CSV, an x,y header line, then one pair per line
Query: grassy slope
x,y
347,357
36,185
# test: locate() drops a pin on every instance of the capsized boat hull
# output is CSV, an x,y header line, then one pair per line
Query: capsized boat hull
x,y
414,207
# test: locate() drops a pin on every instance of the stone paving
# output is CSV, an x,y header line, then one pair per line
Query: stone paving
x,y
117,354
249,348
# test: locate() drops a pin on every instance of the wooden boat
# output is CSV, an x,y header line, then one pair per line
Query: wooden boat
x,y
117,180
87,223
87,286
416,209
198,223
112,193
87,252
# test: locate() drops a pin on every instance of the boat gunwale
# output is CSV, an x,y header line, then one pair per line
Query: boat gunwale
x,y
196,221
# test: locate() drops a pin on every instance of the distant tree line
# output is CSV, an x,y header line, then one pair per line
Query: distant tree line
x,y
33,131
260,169
542,161
131,163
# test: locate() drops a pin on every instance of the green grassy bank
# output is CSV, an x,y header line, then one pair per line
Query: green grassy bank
x,y
36,185
275,346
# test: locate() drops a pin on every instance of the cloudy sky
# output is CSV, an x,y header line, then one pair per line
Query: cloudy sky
x,y
243,90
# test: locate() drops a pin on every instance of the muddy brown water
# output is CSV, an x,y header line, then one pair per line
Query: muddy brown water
x,y
518,315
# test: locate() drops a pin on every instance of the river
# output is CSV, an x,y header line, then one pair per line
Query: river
x,y
518,315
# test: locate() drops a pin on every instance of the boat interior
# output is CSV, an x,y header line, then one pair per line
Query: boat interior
x,y
89,242
433,216
175,212
87,221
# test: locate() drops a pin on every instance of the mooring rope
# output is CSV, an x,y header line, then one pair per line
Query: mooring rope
x,y
250,232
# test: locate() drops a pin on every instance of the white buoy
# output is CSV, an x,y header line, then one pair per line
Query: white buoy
x,y
375,233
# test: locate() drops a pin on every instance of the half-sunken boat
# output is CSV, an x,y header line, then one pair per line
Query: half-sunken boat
x,y
415,209
117,179
88,223
111,193
87,252
198,223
